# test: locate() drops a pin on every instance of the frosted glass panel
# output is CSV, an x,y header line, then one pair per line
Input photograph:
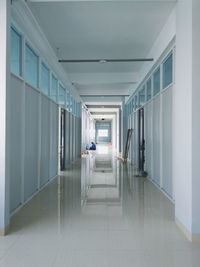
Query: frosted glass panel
x,y
16,49
135,158
45,141
54,140
54,88
168,71
67,138
148,139
45,79
31,66
156,140
156,82
31,142
15,138
167,141
149,89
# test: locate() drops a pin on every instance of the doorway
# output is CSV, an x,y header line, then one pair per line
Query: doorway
x,y
62,138
141,141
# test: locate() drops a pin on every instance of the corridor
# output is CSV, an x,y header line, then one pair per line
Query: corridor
x,y
97,214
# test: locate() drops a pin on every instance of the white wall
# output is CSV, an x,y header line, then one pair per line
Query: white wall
x,y
195,118
186,126
182,116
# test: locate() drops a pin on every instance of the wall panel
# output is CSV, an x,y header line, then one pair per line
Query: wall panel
x,y
148,139
167,140
67,138
54,140
156,140
45,140
15,124
31,141
71,138
136,156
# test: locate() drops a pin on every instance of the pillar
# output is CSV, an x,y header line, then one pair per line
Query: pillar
x,y
186,121
4,83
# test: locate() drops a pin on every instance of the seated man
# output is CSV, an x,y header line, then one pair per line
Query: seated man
x,y
93,146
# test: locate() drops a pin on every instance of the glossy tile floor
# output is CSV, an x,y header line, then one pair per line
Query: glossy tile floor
x,y
98,215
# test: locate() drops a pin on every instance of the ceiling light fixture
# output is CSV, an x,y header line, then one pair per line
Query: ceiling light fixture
x,y
105,60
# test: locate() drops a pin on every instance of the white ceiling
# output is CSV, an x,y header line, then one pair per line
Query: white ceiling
x,y
102,29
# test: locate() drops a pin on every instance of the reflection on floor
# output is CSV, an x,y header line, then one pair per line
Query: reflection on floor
x,y
98,215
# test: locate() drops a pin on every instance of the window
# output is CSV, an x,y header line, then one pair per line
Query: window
x,y
54,88
156,82
16,52
71,103
45,79
73,108
168,71
149,89
31,66
142,96
103,133
62,96
67,100
136,102
133,105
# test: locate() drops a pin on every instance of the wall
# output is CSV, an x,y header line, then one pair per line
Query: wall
x,y
158,114
33,119
33,141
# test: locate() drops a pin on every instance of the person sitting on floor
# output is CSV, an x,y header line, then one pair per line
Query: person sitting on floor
x,y
93,146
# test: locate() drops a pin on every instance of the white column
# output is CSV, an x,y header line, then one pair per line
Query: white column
x,y
186,122
196,118
4,83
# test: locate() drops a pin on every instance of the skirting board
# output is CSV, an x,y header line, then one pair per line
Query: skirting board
x,y
191,237
4,231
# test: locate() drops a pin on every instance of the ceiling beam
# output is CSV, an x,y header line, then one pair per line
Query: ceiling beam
x,y
136,1
107,60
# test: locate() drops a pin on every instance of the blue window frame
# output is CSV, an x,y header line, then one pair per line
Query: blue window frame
x,y
62,95
31,66
156,82
16,52
54,88
149,89
168,71
45,79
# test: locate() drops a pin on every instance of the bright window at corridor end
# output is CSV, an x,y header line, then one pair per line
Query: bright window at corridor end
x,y
103,133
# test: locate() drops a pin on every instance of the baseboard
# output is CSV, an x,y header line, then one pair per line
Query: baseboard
x,y
191,237
4,231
